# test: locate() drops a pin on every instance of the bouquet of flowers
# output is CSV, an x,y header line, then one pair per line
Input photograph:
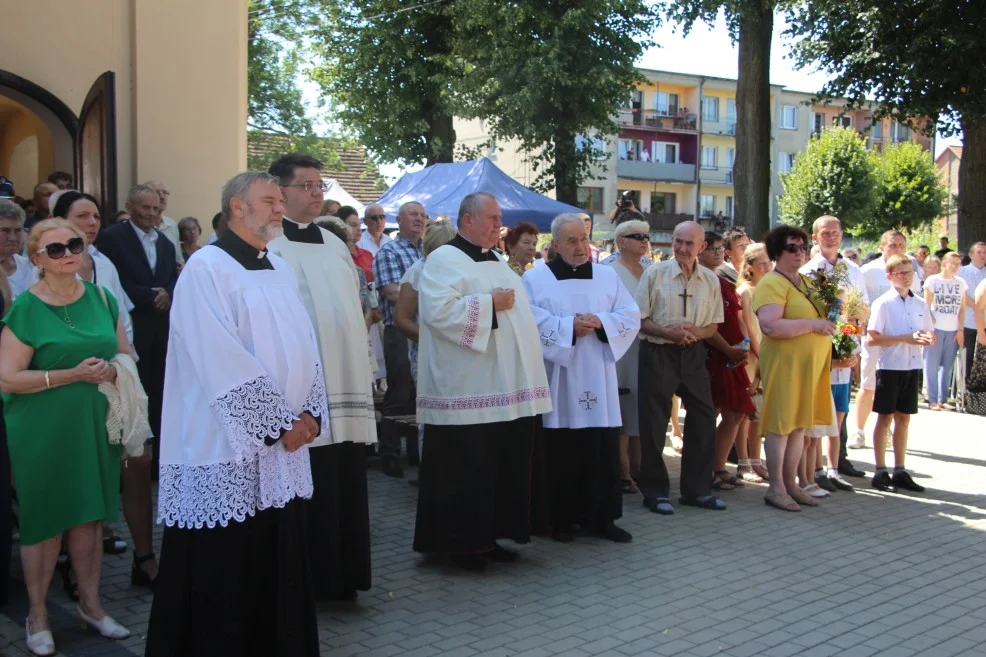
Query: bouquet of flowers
x,y
844,340
829,289
847,310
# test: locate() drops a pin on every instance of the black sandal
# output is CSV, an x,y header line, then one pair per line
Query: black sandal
x,y
139,576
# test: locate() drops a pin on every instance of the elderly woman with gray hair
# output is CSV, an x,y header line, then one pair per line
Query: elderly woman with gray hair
x,y
633,242
17,269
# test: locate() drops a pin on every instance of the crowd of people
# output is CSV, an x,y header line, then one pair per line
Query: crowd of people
x,y
540,386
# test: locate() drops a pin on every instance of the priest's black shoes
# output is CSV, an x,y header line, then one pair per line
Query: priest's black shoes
x,y
391,467
563,534
471,562
500,554
882,481
849,470
902,480
616,534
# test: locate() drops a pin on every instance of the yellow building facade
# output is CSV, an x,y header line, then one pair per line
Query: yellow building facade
x,y
119,92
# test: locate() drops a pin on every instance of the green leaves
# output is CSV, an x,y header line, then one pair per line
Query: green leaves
x,y
910,192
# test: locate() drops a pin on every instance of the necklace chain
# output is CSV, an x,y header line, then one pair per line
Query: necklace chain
x,y
67,318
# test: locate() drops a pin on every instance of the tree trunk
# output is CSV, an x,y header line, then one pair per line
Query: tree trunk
x,y
566,168
440,137
751,168
972,184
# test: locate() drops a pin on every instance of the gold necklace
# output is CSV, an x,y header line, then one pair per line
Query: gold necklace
x,y
68,320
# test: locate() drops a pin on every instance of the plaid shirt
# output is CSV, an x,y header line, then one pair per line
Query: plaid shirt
x,y
389,264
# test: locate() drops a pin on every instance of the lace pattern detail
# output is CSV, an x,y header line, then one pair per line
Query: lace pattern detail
x,y
475,402
316,403
197,496
472,322
252,412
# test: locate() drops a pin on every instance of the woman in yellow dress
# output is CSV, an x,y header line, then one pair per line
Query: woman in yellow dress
x,y
795,364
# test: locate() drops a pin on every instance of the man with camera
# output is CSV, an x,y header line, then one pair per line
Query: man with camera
x,y
625,210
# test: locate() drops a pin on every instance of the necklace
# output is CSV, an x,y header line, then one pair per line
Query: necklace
x,y
67,318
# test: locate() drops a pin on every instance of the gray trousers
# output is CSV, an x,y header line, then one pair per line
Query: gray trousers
x,y
667,370
400,398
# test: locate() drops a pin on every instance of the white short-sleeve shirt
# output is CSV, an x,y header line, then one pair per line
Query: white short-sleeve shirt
x,y
896,315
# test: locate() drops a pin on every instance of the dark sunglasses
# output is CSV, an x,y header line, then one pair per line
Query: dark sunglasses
x,y
640,237
794,248
376,216
56,250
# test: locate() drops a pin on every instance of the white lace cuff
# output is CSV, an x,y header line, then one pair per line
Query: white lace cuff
x,y
253,414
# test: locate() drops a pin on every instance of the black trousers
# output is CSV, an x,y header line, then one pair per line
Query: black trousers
x,y
401,396
667,370
584,477
151,343
970,350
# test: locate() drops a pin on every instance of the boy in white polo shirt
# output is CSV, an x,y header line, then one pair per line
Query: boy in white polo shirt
x,y
900,324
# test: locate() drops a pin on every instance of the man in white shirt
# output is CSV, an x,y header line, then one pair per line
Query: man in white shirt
x,y
165,224
373,237
892,243
974,273
900,325
826,232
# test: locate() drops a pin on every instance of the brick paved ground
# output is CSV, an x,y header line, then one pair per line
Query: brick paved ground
x,y
864,574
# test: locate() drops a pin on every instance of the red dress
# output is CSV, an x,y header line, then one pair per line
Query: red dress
x,y
730,386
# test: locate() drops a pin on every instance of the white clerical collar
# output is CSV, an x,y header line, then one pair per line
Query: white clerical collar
x,y
296,223
474,244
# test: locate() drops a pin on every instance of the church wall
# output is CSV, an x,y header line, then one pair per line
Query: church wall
x,y
26,151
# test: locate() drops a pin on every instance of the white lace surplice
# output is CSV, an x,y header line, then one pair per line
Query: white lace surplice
x,y
242,365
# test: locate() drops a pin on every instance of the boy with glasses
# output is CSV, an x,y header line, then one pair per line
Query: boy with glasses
x,y
900,325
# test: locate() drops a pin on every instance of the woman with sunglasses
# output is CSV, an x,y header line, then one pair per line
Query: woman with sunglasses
x,y
795,364
57,341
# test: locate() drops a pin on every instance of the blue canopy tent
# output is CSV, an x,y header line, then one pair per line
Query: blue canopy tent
x,y
441,188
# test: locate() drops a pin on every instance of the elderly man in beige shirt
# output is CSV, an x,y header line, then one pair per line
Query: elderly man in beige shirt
x,y
680,306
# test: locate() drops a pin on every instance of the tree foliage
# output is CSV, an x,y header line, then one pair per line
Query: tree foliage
x,y
914,58
544,72
833,175
277,49
909,191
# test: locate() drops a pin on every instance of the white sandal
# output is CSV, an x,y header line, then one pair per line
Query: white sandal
x,y
750,475
106,626
39,643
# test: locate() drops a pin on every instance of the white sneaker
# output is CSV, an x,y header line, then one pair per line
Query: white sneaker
x,y
859,442
815,491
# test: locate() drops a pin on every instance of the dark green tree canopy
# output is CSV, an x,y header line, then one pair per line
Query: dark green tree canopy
x,y
909,193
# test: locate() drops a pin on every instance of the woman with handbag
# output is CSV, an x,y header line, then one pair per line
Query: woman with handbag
x,y
55,348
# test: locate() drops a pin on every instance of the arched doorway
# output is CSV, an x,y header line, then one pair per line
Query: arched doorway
x,y
39,133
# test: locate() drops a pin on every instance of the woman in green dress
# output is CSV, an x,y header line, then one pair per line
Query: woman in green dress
x,y
58,338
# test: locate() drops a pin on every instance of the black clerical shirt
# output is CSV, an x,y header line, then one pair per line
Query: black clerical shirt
x,y
478,254
564,272
243,253
295,232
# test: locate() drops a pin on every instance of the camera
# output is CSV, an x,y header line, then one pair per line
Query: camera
x,y
626,201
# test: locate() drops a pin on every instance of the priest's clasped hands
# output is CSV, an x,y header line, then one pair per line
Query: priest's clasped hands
x,y
586,324
503,298
303,431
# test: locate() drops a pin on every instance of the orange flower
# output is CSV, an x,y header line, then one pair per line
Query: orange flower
x,y
848,329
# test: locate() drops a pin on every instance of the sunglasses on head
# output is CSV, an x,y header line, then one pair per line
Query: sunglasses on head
x,y
56,250
640,237
794,248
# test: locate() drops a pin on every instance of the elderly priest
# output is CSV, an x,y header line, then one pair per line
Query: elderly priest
x,y
481,386
587,321
243,398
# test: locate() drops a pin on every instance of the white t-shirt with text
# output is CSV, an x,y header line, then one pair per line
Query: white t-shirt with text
x,y
947,294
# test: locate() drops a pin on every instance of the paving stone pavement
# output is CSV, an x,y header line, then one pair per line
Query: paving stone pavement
x,y
865,574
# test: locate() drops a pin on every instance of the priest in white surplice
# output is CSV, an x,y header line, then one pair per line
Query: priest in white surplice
x,y
338,513
244,396
481,386
587,320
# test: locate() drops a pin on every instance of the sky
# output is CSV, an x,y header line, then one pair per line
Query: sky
x,y
708,50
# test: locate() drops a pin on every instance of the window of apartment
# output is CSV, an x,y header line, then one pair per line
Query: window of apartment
x,y
662,202
729,206
598,144
785,162
709,157
730,117
710,109
665,152
843,120
730,157
900,132
666,103
630,149
817,122
876,130
789,117
591,199
707,205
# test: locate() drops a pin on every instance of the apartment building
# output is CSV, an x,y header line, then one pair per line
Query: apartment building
x,y
676,145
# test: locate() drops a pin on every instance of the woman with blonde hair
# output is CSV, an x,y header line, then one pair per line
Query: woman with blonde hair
x,y
754,267
67,473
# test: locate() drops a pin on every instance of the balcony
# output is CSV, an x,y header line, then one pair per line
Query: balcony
x,y
717,175
666,222
658,171
674,120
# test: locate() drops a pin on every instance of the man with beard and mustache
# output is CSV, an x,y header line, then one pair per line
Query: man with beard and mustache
x,y
338,513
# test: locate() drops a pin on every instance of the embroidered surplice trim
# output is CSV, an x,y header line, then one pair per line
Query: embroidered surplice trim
x,y
254,414
316,402
472,321
197,496
351,404
475,402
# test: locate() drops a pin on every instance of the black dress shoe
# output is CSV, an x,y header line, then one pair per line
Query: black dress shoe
x,y
348,595
391,467
824,483
471,562
563,534
882,481
903,480
615,534
849,470
500,554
